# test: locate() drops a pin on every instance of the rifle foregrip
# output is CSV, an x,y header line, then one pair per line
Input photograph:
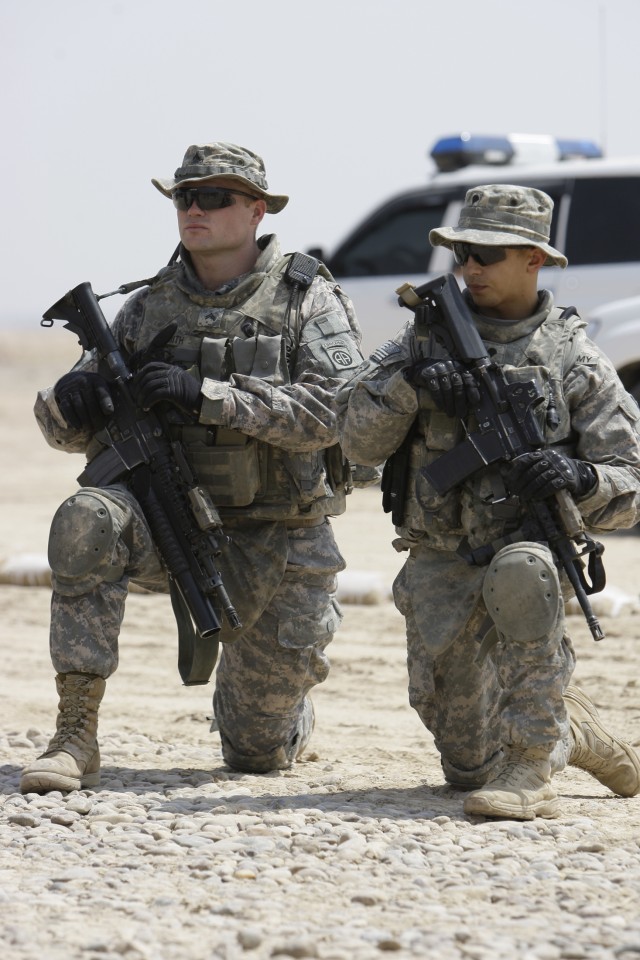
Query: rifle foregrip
x,y
570,516
205,618
204,615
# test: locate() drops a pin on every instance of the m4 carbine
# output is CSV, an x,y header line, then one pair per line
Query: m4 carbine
x,y
138,451
506,427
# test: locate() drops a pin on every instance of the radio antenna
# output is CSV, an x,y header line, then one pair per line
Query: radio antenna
x,y
602,38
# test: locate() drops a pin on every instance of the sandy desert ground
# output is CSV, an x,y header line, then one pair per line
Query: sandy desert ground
x,y
357,851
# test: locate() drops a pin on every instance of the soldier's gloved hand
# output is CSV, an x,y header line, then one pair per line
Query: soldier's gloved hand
x,y
541,473
453,388
158,381
84,400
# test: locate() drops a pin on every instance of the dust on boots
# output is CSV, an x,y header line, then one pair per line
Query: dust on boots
x,y
521,791
601,753
72,758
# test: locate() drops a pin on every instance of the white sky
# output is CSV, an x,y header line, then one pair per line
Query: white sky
x,y
343,99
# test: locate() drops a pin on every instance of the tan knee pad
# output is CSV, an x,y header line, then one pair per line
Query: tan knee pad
x,y
84,536
522,590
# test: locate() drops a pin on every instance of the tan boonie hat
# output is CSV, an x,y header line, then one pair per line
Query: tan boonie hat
x,y
206,161
503,215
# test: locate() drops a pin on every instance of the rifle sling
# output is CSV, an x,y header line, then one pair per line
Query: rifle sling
x,y
596,571
196,655
481,556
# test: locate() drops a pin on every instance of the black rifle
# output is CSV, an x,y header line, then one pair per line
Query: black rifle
x,y
184,522
507,427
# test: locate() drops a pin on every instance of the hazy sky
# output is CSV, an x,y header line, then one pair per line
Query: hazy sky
x,y
342,98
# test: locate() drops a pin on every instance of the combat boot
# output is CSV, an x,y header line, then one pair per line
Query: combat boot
x,y
607,758
72,759
307,724
521,791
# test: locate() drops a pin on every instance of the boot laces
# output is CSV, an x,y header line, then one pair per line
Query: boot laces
x,y
72,717
518,772
70,723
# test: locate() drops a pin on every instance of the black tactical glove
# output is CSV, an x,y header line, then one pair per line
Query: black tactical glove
x,y
541,473
159,381
84,400
453,388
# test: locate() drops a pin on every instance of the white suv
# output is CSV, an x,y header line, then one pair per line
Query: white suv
x,y
616,329
596,224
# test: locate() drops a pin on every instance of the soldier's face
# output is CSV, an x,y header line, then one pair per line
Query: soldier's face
x,y
506,289
220,231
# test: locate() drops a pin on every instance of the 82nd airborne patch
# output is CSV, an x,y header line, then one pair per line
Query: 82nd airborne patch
x,y
342,353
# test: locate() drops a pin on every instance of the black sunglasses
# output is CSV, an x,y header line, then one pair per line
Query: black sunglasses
x,y
482,255
207,198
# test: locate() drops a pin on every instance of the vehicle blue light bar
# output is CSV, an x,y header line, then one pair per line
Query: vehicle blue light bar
x,y
460,150
578,149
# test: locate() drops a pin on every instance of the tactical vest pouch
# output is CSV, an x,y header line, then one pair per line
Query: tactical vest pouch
x,y
260,356
443,511
395,477
306,470
213,358
229,467
338,469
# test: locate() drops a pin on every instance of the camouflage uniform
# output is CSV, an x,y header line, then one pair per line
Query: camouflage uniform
x,y
265,446
476,698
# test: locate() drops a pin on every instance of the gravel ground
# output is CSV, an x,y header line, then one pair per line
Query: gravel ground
x,y
176,858
358,850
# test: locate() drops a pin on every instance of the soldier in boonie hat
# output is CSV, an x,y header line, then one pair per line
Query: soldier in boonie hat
x,y
243,348
489,654
503,215
210,161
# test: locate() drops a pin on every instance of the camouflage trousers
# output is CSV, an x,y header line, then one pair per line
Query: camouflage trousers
x,y
280,577
479,690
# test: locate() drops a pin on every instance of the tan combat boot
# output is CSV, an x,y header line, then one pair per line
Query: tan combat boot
x,y
611,761
72,759
521,791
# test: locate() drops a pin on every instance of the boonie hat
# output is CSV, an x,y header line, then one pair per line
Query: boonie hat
x,y
503,215
206,161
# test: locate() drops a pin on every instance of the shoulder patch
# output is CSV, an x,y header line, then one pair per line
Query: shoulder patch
x,y
587,359
385,350
335,353
342,353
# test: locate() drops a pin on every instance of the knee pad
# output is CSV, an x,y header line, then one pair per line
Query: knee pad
x,y
522,591
83,538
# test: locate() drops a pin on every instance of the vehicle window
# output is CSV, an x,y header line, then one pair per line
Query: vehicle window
x,y
396,243
603,221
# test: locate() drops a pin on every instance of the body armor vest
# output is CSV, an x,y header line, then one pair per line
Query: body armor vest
x,y
470,509
252,330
